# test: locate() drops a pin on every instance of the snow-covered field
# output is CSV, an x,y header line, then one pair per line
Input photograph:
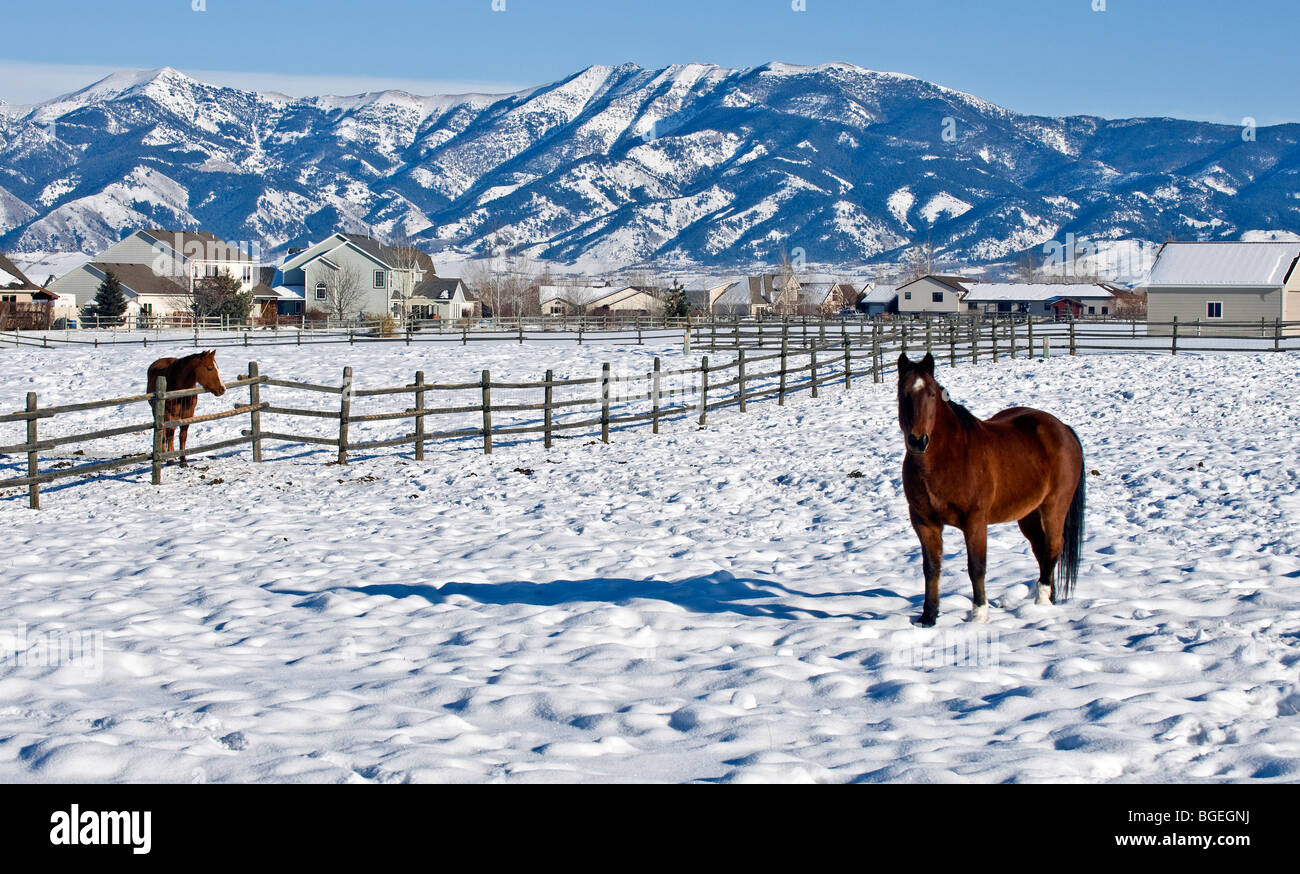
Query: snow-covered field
x,y
722,604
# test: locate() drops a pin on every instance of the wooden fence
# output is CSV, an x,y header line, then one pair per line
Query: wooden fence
x,y
605,402
768,362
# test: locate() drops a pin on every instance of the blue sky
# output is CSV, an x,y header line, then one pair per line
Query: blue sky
x,y
1204,59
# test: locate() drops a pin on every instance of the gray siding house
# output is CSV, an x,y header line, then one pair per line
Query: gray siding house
x,y
355,274
1232,285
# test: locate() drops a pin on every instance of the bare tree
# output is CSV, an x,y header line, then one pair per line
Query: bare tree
x,y
343,291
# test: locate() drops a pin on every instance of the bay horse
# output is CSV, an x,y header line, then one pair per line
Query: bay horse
x,y
199,369
1021,465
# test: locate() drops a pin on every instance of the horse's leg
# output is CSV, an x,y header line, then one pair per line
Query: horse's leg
x,y
1032,529
185,433
976,530
171,436
931,537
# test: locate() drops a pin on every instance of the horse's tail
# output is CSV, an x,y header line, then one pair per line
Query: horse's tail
x,y
1067,566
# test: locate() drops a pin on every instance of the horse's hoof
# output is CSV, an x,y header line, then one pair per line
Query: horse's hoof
x,y
927,620
979,614
1044,598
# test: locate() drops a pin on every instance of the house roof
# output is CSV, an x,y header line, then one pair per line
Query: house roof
x,y
12,278
440,289
881,294
580,295
955,283
139,279
209,246
1002,292
1244,265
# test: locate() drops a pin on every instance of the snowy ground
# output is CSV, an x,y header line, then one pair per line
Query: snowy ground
x,y
724,604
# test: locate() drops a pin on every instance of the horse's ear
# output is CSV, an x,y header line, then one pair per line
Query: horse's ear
x,y
927,364
903,364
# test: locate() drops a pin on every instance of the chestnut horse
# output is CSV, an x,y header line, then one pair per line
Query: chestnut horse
x,y
1021,465
182,373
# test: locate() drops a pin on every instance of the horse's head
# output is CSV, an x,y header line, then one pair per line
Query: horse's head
x,y
919,400
206,373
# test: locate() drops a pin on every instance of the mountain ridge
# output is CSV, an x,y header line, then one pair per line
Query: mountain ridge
x,y
619,165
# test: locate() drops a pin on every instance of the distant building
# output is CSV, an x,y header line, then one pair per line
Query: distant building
x,y
23,303
174,259
1041,299
444,298
878,300
933,294
1223,283
355,274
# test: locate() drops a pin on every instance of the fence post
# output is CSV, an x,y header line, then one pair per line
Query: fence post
x,y
713,335
974,340
785,355
875,351
740,377
1072,346
419,415
1011,328
1277,335
704,390
33,466
848,365
1174,342
159,417
812,369
927,334
255,416
604,403
546,409
993,337
735,333
1030,328
487,413
654,397
345,411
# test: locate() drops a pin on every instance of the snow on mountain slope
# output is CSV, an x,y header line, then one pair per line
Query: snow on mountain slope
x,y
849,164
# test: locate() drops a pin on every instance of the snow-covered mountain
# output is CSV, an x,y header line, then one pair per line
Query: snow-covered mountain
x,y
616,166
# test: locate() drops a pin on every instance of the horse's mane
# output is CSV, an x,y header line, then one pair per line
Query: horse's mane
x,y
965,417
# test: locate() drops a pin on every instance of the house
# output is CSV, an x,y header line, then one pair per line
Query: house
x,y
147,293
1042,299
23,303
827,299
354,275
878,300
932,294
182,257
444,298
1233,284
599,300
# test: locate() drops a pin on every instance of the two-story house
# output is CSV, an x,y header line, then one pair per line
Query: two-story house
x,y
354,275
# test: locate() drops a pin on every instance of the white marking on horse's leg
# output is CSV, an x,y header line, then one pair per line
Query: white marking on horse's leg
x,y
980,613
1044,595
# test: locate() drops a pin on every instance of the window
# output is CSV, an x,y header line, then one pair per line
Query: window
x,y
1003,306
1105,311
8,298
937,297
907,295
1214,309
1092,311
248,274
379,279
321,291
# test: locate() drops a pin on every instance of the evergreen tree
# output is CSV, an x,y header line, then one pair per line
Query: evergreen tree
x,y
109,305
678,307
218,296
